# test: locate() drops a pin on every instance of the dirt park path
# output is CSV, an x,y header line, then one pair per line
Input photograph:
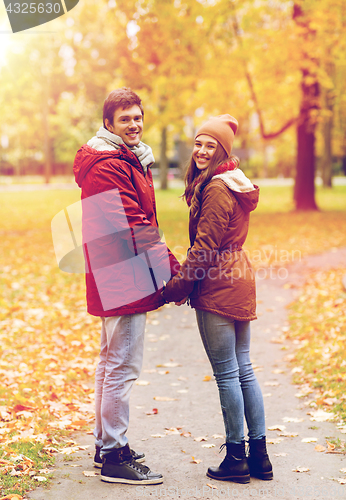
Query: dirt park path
x,y
176,368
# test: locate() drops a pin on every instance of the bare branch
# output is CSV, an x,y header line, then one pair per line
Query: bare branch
x,y
288,124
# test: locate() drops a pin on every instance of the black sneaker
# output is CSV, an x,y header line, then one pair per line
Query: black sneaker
x,y
119,467
139,457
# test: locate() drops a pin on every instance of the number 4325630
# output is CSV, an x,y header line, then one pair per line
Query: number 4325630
x,y
33,8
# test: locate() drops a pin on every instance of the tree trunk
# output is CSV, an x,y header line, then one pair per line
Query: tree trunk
x,y
304,189
163,159
344,164
327,159
327,156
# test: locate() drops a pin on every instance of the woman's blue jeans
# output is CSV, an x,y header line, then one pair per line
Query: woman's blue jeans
x,y
227,344
122,339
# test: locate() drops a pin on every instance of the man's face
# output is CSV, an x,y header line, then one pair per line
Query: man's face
x,y
127,124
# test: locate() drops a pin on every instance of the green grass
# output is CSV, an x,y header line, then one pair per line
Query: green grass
x,y
18,454
279,199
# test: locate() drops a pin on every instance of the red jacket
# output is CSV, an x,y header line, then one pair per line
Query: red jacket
x,y
125,259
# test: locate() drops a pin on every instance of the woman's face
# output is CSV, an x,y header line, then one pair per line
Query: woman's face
x,y
203,151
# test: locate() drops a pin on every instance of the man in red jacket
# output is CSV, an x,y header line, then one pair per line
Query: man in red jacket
x,y
126,265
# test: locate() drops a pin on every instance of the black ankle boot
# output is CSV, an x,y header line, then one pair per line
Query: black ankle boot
x,y
119,466
234,467
258,460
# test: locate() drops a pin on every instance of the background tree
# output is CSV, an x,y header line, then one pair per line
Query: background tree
x,y
161,55
272,64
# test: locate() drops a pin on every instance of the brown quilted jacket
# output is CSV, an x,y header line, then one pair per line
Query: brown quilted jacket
x,y
217,274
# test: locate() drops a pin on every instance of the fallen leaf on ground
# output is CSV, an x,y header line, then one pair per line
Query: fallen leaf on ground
x,y
301,469
154,411
277,428
343,470
157,435
330,401
201,438
321,416
302,394
73,449
280,454
212,486
5,462
196,460
168,365
320,448
274,440
172,430
12,496
209,445
331,446
40,478
185,434
207,378
18,408
142,382
257,368
90,473
309,440
164,398
341,480
45,471
289,434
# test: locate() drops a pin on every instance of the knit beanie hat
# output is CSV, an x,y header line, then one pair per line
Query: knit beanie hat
x,y
222,128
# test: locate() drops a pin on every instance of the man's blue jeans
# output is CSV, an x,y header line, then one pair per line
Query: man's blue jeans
x,y
227,344
120,364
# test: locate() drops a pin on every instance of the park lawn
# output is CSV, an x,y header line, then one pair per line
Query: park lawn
x,y
49,344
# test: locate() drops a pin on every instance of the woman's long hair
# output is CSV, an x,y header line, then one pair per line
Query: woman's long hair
x,y
195,179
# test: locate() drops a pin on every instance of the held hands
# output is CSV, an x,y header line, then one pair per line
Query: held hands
x,y
179,303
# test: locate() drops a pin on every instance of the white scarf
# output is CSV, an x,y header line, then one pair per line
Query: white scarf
x,y
106,141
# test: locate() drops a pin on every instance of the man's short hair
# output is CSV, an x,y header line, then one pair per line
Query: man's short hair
x,y
121,98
